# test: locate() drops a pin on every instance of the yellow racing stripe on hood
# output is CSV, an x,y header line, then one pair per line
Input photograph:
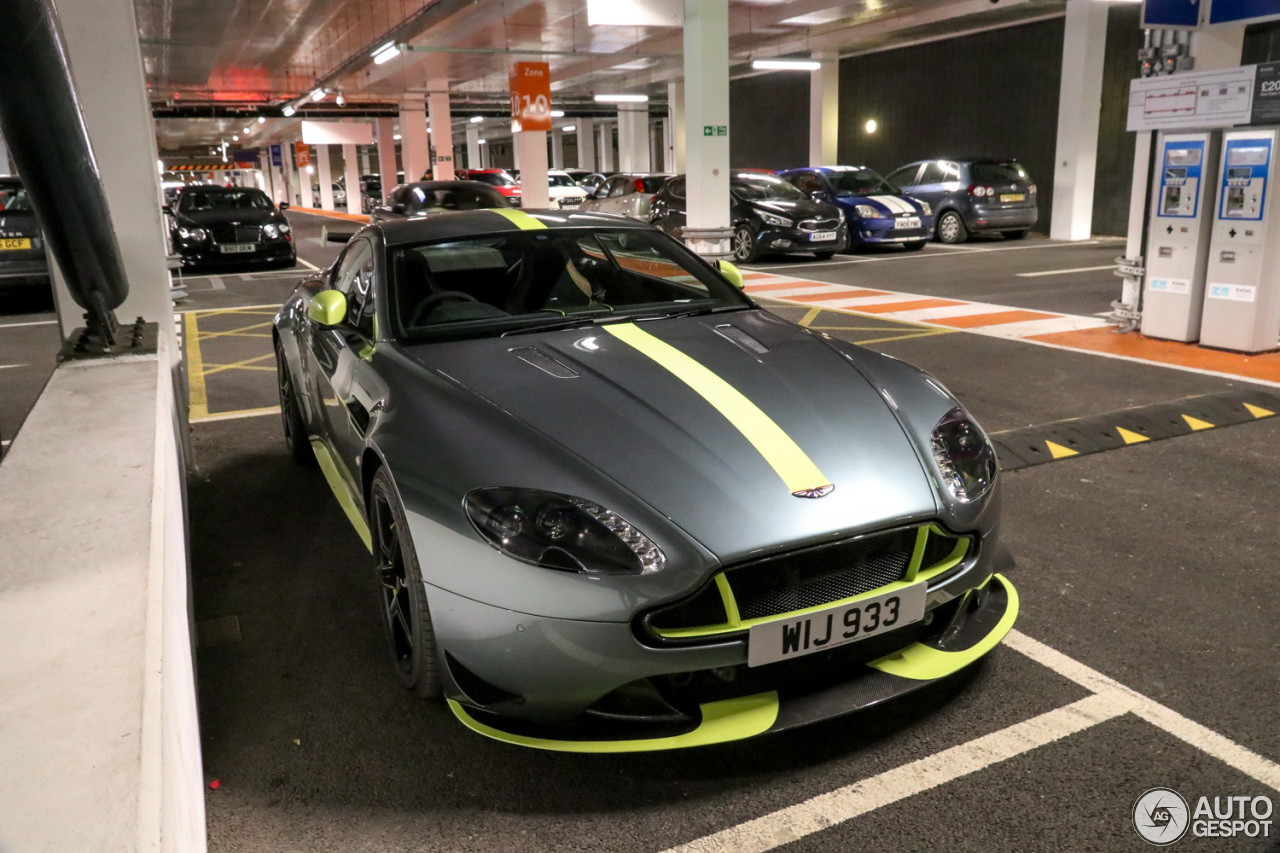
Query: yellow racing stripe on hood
x,y
520,219
785,456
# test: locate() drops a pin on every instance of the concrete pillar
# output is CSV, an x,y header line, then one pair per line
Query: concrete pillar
x,y
515,155
278,191
300,185
557,148
442,133
414,144
531,159
706,75
387,155
1079,104
824,112
473,146
106,65
5,167
1219,46
586,144
633,139
364,159
675,109
605,152
351,171
667,155
325,177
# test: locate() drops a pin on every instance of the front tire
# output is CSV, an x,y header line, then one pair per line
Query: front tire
x,y
951,228
295,429
402,597
745,248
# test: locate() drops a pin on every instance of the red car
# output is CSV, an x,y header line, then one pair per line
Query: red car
x,y
499,179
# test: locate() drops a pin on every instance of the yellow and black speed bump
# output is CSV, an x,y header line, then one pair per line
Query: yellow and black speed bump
x,y
1036,445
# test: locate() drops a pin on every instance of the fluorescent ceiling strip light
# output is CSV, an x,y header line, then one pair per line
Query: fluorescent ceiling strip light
x,y
386,52
786,65
622,99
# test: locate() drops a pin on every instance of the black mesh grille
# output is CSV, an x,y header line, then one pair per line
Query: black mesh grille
x,y
821,575
820,224
705,608
236,234
937,549
248,234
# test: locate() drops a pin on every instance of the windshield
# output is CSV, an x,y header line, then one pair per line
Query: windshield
x,y
860,182
497,284
497,179
197,200
13,199
1007,172
561,181
763,188
453,198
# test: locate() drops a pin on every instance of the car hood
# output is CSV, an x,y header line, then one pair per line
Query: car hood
x,y
226,217
889,205
605,399
795,209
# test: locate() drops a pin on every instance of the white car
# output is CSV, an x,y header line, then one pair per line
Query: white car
x,y
564,191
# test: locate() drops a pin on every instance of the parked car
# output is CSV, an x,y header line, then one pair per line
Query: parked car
x,y
978,196
592,181
565,192
578,174
876,212
611,505
769,216
339,196
22,257
499,179
627,194
231,225
427,197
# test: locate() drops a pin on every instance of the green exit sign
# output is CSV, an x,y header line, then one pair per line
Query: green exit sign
x,y
715,130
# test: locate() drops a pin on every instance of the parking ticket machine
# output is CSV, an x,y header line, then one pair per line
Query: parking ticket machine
x,y
1242,285
1178,238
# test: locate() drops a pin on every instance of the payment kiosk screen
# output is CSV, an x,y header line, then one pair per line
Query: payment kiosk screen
x,y
1175,173
1242,173
1251,156
1183,157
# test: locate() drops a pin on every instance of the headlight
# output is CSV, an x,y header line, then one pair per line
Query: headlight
x,y
925,208
964,455
561,532
271,230
866,211
284,227
771,219
195,234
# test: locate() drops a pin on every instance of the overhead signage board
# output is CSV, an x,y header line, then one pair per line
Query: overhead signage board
x,y
277,154
1173,14
1195,100
337,133
302,154
530,96
1241,11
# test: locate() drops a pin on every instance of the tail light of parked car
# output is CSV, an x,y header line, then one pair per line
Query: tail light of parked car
x,y
638,184
981,191
1031,189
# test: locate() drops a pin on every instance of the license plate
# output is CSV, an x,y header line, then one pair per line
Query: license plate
x,y
821,236
908,222
1005,198
783,639
13,243
237,248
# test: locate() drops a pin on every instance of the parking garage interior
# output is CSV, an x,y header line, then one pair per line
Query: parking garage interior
x,y
195,656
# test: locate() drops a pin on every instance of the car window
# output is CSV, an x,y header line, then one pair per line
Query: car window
x,y
653,183
855,182
1005,172
353,259
13,197
561,181
197,200
619,187
906,176
756,187
933,174
950,171
808,183
676,187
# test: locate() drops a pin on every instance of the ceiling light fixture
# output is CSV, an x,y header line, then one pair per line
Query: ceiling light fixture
x,y
288,110
481,141
387,52
477,119
262,119
557,113
340,100
318,95
569,128
395,136
622,99
235,138
786,65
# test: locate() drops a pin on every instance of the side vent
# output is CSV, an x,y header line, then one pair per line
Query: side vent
x,y
741,338
544,362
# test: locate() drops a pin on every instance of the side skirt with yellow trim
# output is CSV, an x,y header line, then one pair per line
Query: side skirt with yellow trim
x,y
340,491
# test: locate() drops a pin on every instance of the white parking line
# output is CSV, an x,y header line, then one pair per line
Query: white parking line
x,y
308,264
235,416
826,810
809,265
1064,272
32,323
7,366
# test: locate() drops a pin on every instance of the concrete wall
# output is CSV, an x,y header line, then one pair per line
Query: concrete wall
x,y
1114,176
99,741
769,121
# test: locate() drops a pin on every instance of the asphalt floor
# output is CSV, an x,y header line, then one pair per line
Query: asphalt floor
x,y
1145,654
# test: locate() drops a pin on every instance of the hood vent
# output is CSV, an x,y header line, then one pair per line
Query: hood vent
x,y
544,362
742,339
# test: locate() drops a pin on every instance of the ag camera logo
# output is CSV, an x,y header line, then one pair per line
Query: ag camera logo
x,y
1161,816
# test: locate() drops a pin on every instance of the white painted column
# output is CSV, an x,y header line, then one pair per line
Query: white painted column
x,y
299,181
5,167
668,146
824,112
351,171
387,155
414,144
325,176
633,139
675,108
531,160
473,146
102,42
706,75
557,148
1084,46
364,159
606,147
279,192
442,134
586,144
515,155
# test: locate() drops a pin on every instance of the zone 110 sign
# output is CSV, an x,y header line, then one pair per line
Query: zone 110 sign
x,y
530,96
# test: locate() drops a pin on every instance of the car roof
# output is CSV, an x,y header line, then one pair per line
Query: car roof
x,y
842,168
470,223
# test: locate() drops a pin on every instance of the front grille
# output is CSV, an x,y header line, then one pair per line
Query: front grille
x,y
236,233
817,576
704,608
819,224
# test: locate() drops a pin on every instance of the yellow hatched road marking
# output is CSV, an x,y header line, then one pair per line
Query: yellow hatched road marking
x,y
1196,423
1258,411
239,365
240,332
791,463
197,394
810,316
1131,437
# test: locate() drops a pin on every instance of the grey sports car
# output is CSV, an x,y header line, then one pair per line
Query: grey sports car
x,y
613,505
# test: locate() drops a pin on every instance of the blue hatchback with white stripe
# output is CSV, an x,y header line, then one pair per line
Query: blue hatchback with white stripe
x,y
877,212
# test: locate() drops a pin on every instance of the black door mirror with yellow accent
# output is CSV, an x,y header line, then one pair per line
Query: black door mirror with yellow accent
x,y
328,308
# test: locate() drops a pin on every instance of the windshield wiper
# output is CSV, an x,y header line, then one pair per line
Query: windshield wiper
x,y
691,312
572,322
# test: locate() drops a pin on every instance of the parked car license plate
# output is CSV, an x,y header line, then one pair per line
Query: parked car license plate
x,y
12,243
821,236
237,248
783,639
908,222
1005,198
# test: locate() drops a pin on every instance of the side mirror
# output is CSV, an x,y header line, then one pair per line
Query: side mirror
x,y
167,209
820,195
732,273
284,205
328,308
397,208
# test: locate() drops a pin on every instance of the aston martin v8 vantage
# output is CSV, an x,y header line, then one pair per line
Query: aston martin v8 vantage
x,y
612,505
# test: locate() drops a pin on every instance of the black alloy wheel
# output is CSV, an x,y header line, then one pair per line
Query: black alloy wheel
x,y
745,248
295,430
402,596
951,228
